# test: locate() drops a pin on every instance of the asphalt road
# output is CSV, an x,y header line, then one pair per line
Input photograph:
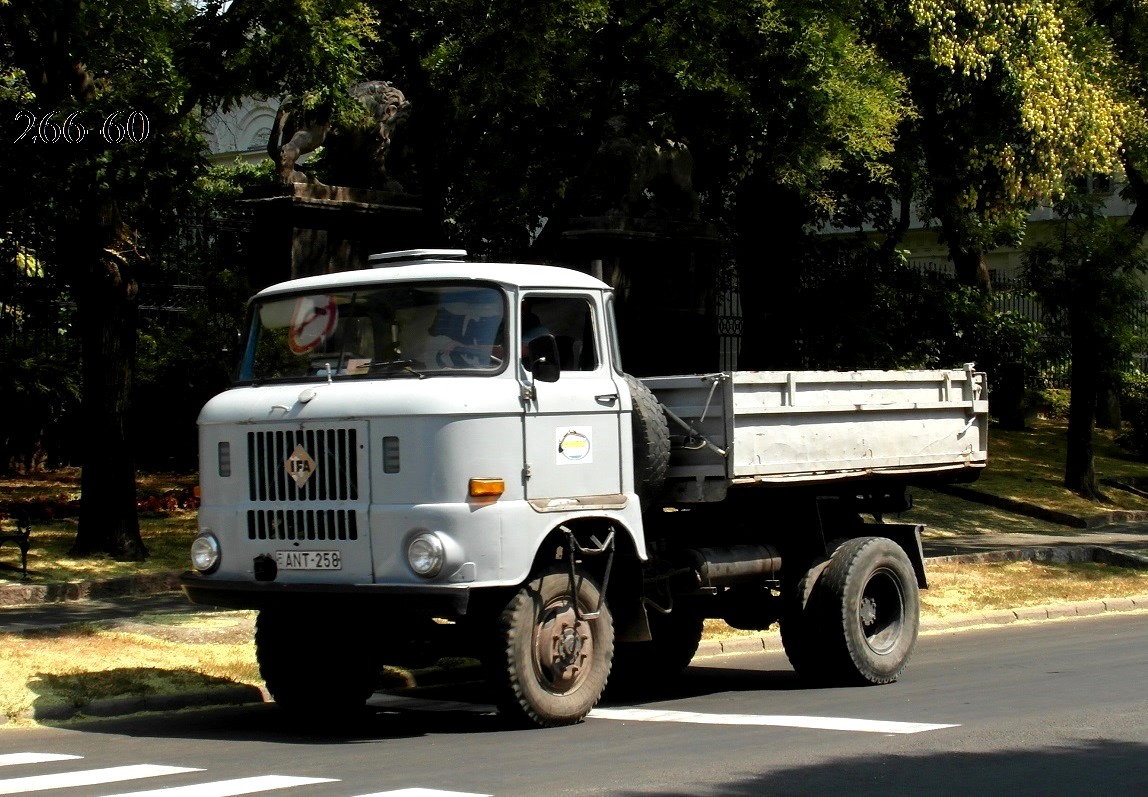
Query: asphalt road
x,y
1050,708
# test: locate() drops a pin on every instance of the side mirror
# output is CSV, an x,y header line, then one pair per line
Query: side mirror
x,y
542,354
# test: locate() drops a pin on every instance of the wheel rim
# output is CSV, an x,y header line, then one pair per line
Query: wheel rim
x,y
563,646
881,611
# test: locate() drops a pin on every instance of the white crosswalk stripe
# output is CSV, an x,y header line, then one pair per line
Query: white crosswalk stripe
x,y
11,759
231,788
87,777
221,788
854,724
775,720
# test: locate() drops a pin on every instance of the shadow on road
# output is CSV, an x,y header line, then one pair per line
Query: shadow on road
x,y
1097,766
465,707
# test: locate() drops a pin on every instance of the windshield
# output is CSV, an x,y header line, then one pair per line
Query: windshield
x,y
392,330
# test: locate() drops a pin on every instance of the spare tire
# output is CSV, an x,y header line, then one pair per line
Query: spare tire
x,y
651,442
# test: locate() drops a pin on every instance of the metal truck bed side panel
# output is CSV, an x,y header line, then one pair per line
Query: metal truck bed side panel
x,y
809,426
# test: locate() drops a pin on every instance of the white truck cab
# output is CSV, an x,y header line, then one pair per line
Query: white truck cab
x,y
424,424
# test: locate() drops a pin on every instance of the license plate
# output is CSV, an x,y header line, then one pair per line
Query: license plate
x,y
309,560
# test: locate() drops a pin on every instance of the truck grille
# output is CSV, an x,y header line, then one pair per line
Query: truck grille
x,y
336,456
302,524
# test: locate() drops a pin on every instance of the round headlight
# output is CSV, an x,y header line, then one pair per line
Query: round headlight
x,y
426,554
205,552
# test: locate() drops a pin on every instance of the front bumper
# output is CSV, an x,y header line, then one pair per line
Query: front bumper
x,y
447,601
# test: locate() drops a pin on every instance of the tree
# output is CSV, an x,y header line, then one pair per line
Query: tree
x,y
113,93
1012,99
1089,275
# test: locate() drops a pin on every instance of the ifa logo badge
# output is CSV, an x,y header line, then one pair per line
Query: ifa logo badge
x,y
299,466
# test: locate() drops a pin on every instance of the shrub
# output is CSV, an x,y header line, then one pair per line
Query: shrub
x,y
1051,402
1134,406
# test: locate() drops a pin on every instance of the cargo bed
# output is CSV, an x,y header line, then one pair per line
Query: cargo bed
x,y
794,427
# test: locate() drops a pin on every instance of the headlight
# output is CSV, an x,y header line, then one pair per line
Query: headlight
x,y
205,553
425,554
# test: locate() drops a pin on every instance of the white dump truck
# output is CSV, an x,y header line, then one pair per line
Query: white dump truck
x,y
432,457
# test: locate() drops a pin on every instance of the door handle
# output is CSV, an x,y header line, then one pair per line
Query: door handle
x,y
606,398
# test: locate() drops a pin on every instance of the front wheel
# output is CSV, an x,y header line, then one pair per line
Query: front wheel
x,y
875,611
553,663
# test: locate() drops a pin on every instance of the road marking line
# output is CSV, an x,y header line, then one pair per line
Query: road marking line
x,y
775,720
87,777
230,788
11,759
423,793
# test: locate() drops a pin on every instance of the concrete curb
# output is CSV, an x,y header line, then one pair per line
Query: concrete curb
x,y
238,694
1052,611
17,595
1057,554
1041,513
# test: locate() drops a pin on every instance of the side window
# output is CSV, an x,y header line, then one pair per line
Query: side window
x,y
570,319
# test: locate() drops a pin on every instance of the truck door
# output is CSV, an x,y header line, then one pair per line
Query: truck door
x,y
572,426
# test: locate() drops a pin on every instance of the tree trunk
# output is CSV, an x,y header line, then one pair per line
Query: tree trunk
x,y
1079,465
971,268
108,320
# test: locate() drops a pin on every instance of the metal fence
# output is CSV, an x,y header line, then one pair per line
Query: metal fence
x,y
37,311
1050,368
728,317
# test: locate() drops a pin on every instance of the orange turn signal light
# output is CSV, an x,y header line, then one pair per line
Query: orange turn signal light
x,y
487,488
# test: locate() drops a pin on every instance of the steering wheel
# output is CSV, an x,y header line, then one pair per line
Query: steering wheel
x,y
468,357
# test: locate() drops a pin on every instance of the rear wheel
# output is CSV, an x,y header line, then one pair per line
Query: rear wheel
x,y
313,664
874,612
803,624
553,663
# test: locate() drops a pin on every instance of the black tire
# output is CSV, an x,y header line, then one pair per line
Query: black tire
x,y
314,665
651,435
551,668
803,624
640,667
874,612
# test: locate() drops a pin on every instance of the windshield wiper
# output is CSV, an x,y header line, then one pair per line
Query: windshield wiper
x,y
400,366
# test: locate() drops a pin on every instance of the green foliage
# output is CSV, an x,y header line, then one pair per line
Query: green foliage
x,y
106,207
184,359
510,108
862,311
41,404
1041,63
1051,402
220,184
1089,278
1134,409
1011,100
